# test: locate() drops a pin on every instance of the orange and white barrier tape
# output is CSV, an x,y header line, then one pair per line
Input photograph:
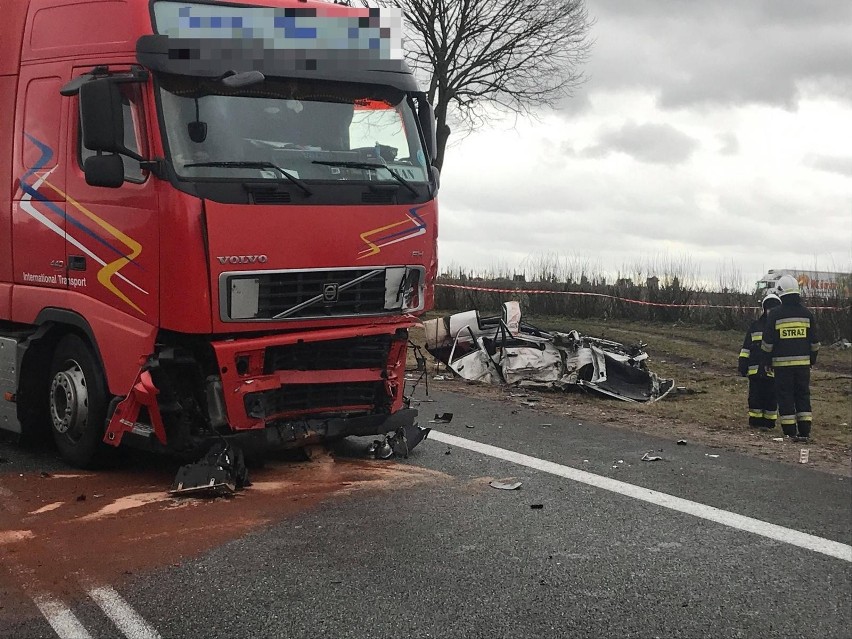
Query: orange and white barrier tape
x,y
523,291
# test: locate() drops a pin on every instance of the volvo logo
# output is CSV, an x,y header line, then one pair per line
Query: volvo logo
x,y
330,292
242,259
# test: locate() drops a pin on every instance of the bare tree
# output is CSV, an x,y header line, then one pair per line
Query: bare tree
x,y
513,56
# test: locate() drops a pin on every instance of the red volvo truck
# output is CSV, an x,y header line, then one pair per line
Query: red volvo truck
x,y
217,220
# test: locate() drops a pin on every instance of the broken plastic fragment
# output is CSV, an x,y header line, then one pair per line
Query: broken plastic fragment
x,y
406,438
380,449
444,418
709,455
681,442
505,485
221,471
649,457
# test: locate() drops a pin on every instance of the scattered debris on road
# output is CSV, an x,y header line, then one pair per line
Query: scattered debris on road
x,y
778,439
536,506
444,418
221,472
504,349
681,442
710,455
505,485
401,442
803,456
648,457
380,449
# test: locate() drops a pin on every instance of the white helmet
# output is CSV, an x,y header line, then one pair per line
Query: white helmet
x,y
770,297
787,285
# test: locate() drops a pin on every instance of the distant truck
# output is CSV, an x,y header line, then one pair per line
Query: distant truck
x,y
820,284
218,221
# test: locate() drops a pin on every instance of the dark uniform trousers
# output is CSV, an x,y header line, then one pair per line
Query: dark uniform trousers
x,y
792,384
762,401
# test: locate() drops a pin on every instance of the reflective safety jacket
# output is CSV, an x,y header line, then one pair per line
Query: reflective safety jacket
x,y
750,354
790,336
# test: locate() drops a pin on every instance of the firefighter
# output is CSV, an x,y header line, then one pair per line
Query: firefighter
x,y
762,402
789,348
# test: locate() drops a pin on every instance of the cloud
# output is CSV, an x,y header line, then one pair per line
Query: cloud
x,y
832,164
729,144
726,52
654,143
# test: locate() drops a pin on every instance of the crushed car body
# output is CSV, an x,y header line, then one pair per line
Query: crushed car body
x,y
504,349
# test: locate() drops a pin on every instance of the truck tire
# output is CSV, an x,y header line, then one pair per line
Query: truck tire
x,y
77,402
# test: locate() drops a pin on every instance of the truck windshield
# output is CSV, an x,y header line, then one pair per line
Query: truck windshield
x,y
313,130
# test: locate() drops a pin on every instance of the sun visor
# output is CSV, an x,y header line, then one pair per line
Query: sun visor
x,y
330,42
214,58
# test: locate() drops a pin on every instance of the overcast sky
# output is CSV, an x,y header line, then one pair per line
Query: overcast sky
x,y
716,135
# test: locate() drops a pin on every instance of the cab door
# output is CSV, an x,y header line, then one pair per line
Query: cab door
x,y
38,207
113,238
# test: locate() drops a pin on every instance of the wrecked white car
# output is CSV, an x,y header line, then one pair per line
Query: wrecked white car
x,y
504,349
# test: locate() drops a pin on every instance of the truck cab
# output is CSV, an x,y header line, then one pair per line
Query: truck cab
x,y
219,220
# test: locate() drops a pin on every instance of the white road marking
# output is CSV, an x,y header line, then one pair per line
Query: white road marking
x,y
61,619
724,517
122,614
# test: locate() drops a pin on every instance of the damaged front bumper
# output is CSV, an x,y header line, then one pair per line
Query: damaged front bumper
x,y
273,392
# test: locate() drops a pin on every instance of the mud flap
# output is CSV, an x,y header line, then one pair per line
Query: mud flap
x,y
222,471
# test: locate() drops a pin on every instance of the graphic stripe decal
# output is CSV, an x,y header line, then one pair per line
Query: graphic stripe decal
x,y
375,246
105,275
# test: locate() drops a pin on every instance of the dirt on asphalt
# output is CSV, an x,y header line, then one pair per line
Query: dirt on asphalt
x,y
59,529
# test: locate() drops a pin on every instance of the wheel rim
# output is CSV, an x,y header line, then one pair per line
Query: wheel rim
x,y
69,401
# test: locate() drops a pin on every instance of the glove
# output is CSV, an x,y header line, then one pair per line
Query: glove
x,y
743,367
813,359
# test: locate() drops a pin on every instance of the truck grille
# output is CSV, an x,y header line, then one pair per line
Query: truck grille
x,y
322,398
357,352
344,292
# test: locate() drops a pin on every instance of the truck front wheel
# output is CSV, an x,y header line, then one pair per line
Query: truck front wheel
x,y
78,403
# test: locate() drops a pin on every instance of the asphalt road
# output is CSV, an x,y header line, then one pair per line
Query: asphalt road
x,y
448,556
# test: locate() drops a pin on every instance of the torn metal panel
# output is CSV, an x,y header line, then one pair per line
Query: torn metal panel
x,y
537,363
504,349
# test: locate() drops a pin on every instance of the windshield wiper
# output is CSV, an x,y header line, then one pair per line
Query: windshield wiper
x,y
256,165
370,165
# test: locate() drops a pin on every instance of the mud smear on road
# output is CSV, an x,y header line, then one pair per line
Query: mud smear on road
x,y
105,526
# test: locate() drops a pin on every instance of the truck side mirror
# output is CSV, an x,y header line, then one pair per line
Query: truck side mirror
x,y
426,115
104,170
102,116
